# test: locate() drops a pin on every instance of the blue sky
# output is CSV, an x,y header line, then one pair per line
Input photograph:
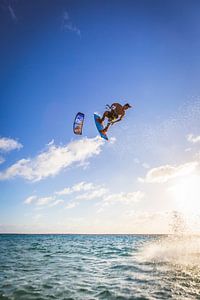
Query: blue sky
x,y
61,57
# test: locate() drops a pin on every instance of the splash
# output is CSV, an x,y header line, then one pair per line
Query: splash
x,y
178,250
180,247
178,225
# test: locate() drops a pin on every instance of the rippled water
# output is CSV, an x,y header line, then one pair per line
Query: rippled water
x,y
99,267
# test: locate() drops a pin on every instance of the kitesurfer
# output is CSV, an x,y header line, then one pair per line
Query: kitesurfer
x,y
114,114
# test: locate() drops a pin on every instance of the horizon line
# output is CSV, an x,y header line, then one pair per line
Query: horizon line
x,y
53,233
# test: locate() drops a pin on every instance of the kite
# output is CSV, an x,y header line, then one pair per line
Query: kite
x,y
78,123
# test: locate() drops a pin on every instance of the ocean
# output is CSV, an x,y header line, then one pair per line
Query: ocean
x,y
99,267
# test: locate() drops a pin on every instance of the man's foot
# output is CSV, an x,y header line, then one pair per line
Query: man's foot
x,y
99,121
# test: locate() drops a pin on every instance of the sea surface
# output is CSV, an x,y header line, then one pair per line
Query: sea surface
x,y
99,267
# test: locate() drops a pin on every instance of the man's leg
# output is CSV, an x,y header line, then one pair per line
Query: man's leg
x,y
105,115
104,130
108,125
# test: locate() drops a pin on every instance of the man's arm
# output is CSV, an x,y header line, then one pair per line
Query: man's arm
x,y
119,119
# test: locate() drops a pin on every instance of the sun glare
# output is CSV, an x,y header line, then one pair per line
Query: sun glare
x,y
186,193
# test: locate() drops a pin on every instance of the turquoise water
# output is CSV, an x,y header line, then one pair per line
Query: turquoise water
x,y
98,267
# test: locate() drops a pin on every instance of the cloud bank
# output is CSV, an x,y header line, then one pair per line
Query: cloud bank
x,y
53,160
85,191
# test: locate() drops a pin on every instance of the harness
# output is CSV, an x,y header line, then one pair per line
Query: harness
x,y
112,113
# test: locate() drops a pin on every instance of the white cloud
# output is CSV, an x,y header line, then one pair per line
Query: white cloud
x,y
97,193
89,191
165,173
84,191
51,142
56,202
81,186
44,201
53,160
193,139
49,201
126,198
30,199
71,205
67,25
65,191
7,144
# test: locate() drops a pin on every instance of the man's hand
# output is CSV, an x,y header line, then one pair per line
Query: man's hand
x,y
115,121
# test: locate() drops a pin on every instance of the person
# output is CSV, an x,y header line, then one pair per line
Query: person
x,y
115,114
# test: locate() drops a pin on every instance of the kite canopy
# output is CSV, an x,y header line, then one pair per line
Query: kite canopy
x,y
78,123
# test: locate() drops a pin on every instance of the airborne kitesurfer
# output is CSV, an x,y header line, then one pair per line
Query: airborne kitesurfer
x,y
114,114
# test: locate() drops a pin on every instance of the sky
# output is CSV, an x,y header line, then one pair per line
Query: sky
x,y
61,57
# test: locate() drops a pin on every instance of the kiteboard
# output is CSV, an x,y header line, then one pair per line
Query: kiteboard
x,y
99,126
